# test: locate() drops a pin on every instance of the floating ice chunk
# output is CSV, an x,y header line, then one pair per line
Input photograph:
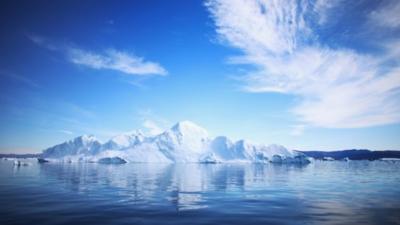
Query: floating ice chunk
x,y
21,163
326,158
41,160
209,158
111,160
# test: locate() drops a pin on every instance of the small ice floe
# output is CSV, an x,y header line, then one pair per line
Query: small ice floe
x,y
346,159
20,163
9,159
390,159
112,160
298,159
41,160
327,158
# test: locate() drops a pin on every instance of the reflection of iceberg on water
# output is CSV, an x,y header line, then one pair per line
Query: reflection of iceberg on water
x,y
182,186
19,163
190,182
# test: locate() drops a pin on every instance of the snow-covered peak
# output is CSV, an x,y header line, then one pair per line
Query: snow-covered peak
x,y
185,137
188,127
124,140
127,138
82,145
121,140
275,149
189,131
85,139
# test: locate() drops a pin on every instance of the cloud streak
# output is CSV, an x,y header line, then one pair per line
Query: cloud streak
x,y
110,59
66,132
20,78
115,60
152,127
335,87
152,123
387,14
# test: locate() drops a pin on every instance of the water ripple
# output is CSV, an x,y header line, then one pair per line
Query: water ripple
x,y
321,193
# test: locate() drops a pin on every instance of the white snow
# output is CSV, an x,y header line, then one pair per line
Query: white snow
x,y
124,141
182,143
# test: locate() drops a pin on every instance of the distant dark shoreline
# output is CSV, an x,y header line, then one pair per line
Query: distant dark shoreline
x,y
20,156
352,154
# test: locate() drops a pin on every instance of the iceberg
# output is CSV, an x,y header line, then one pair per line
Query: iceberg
x,y
185,142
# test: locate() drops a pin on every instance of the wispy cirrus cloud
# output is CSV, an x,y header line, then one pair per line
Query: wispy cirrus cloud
x,y
322,9
152,123
387,14
20,78
335,87
76,109
110,59
152,127
66,132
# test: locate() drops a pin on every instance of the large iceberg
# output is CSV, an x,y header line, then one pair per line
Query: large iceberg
x,y
185,142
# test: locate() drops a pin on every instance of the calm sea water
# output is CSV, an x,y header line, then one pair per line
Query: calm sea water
x,y
357,192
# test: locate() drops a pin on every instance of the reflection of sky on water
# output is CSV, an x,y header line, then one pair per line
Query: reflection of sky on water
x,y
322,192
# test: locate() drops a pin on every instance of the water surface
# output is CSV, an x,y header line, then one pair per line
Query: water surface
x,y
356,192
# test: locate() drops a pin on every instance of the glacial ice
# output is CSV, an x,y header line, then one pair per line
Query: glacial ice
x,y
185,142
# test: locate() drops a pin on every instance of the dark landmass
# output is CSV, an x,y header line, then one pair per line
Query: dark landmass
x,y
353,154
20,156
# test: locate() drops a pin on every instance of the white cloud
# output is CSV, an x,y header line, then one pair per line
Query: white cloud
x,y
387,15
110,59
152,123
246,25
322,9
115,60
152,127
337,88
44,42
66,132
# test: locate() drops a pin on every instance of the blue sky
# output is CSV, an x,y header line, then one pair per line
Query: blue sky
x,y
305,74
